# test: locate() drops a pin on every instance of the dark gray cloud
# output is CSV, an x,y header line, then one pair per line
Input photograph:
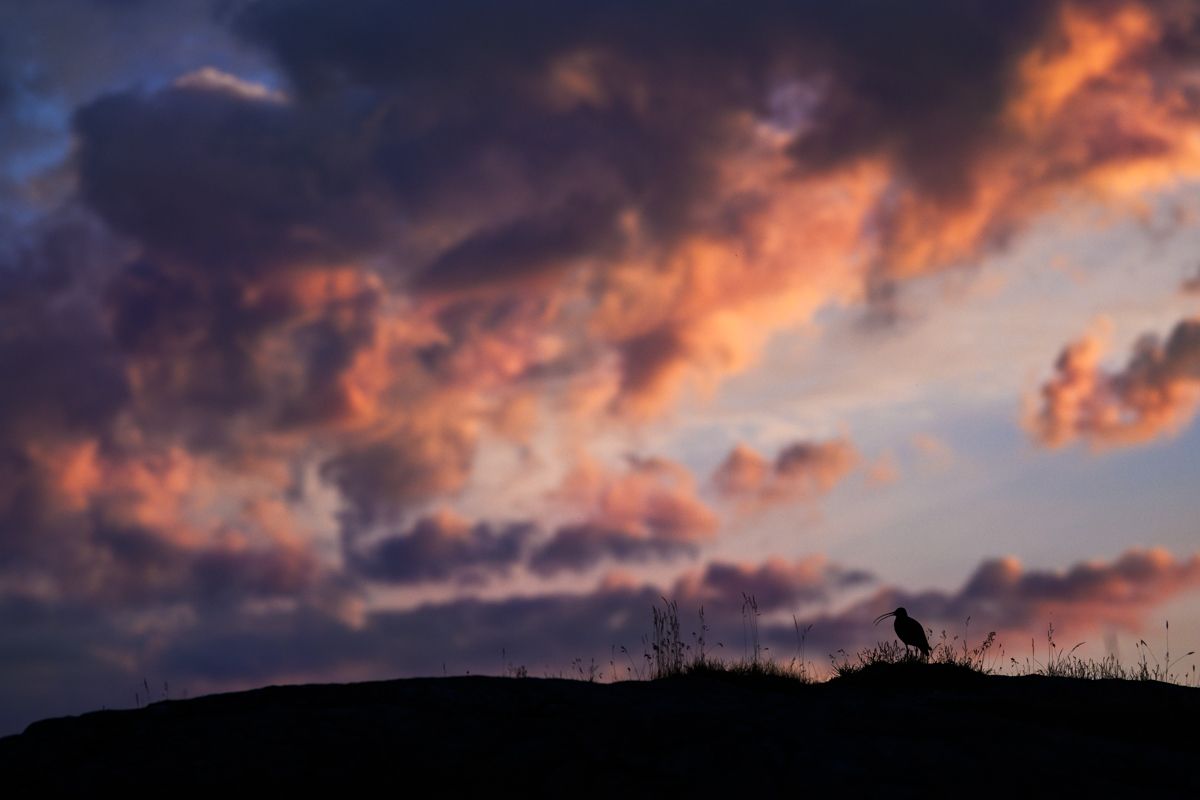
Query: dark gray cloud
x,y
646,512
98,550
440,547
524,249
401,115
230,182
62,377
382,479
53,340
545,632
135,566
57,54
776,583
933,114
197,343
577,548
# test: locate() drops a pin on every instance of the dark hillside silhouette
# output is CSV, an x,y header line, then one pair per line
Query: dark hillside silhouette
x,y
959,732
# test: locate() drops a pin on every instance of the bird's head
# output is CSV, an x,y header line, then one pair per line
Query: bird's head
x,y
899,613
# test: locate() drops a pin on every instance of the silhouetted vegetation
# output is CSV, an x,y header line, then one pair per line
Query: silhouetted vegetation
x,y
667,654
949,651
1148,667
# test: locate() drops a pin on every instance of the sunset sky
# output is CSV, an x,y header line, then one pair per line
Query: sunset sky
x,y
357,340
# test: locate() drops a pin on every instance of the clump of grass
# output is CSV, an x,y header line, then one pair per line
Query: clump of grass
x,y
1163,670
799,664
667,655
147,696
983,657
588,671
510,670
949,650
871,658
667,646
750,627
1149,667
764,668
1059,663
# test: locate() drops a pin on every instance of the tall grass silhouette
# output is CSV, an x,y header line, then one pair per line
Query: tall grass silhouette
x,y
1060,662
668,655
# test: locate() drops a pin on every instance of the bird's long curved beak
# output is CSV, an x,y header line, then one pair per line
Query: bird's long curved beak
x,y
882,617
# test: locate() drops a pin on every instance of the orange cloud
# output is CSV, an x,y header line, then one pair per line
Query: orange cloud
x,y
652,496
143,527
1156,394
701,310
309,285
1089,114
800,471
649,511
1093,113
1087,46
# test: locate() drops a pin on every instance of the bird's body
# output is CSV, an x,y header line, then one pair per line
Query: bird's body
x,y
911,632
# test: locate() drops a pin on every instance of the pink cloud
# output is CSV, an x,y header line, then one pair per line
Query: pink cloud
x,y
1155,394
649,510
800,471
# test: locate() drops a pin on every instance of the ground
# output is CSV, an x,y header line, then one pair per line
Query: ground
x,y
916,731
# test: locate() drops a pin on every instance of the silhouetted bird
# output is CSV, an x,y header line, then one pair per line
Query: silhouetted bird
x,y
911,632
